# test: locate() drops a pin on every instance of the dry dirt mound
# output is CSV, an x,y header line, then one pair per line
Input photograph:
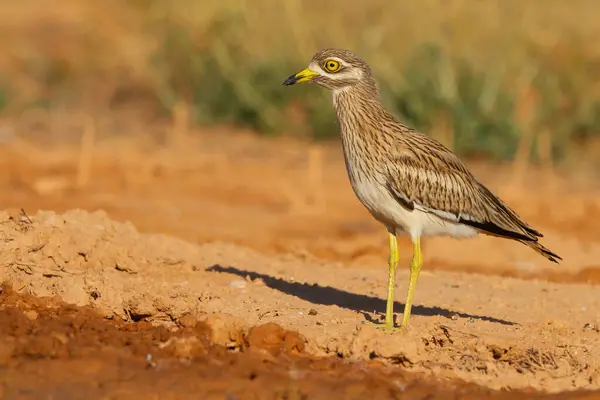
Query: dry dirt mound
x,y
499,332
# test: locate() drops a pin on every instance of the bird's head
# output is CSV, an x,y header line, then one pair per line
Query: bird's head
x,y
335,69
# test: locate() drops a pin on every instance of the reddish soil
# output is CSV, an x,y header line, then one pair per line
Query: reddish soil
x,y
255,273
52,350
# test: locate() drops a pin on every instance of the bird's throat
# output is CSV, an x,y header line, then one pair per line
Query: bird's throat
x,y
356,105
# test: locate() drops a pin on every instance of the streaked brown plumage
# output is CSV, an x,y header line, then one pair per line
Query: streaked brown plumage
x,y
408,181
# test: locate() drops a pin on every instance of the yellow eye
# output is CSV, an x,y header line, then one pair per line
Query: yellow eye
x,y
332,66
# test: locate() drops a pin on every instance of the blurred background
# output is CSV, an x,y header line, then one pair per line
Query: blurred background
x,y
484,75
171,114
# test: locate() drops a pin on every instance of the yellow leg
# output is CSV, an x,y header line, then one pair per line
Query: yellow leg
x,y
393,264
415,268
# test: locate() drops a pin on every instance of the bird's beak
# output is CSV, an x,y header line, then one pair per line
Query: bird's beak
x,y
302,76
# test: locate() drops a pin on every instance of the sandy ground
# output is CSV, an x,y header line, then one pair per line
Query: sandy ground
x,y
52,350
225,233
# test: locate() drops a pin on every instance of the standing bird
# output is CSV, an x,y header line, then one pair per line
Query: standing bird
x,y
408,181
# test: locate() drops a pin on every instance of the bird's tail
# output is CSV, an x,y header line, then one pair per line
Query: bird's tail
x,y
537,246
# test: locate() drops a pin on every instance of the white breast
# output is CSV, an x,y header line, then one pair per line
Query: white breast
x,y
417,222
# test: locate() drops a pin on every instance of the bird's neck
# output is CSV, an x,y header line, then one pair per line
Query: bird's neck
x,y
357,107
358,100
358,110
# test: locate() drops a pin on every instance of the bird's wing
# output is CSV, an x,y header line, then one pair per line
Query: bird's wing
x,y
427,176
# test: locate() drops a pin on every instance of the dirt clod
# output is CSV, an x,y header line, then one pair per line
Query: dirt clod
x,y
272,338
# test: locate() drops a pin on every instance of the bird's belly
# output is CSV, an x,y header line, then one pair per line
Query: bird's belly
x,y
384,208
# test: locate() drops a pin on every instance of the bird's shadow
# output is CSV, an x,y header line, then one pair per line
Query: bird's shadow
x,y
327,295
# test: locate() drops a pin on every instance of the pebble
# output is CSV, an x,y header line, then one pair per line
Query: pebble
x,y
31,314
591,326
238,284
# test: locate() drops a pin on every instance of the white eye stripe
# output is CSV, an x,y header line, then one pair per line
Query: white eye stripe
x,y
339,60
335,60
344,69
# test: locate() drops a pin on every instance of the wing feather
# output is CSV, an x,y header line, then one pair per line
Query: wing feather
x,y
436,181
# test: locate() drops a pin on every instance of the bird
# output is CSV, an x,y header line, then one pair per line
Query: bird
x,y
409,182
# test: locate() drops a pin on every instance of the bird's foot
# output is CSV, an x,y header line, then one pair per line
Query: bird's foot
x,y
387,328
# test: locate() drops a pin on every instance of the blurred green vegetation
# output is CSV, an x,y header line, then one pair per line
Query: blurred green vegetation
x,y
479,75
4,96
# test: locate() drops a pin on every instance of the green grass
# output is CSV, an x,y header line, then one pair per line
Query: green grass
x,y
4,96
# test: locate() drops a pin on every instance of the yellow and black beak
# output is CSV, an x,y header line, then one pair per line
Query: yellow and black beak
x,y
302,76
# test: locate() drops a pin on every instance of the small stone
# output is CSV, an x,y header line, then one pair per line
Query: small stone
x,y
454,317
31,314
61,337
149,361
238,284
591,326
312,311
